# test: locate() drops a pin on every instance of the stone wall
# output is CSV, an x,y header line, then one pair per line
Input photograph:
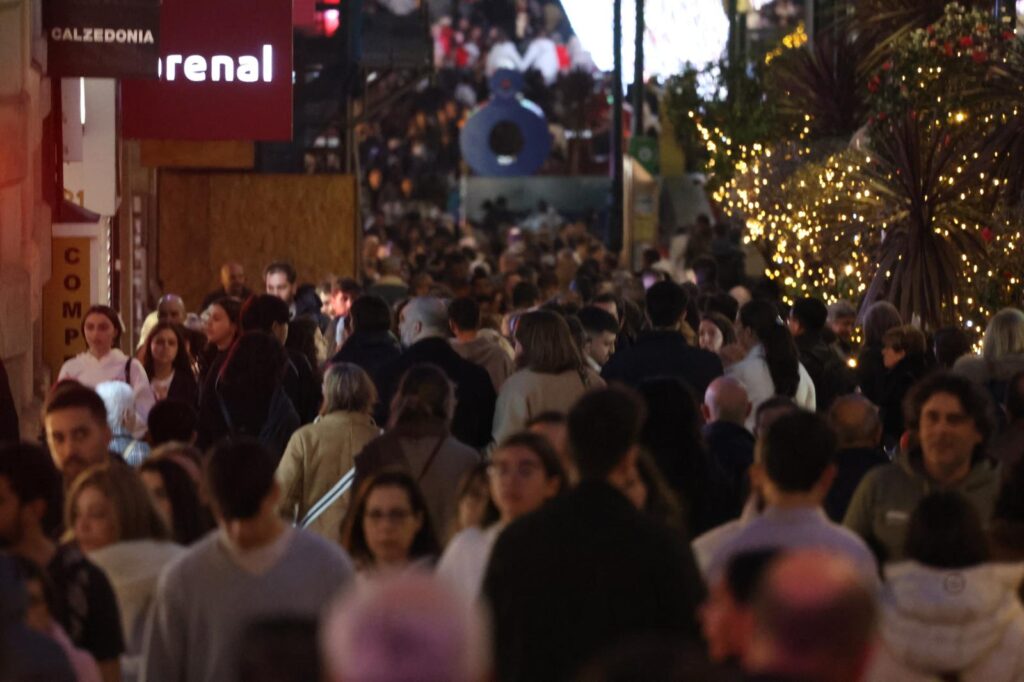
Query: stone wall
x,y
207,218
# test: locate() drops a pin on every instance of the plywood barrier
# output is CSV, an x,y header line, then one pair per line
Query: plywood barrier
x,y
208,218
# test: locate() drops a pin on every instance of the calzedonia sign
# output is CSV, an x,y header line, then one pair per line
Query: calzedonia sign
x,y
102,38
224,73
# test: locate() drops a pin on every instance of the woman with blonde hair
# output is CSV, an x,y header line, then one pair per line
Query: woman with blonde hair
x,y
112,518
1002,354
318,455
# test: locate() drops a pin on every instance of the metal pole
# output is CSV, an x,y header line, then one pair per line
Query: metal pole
x,y
615,219
638,71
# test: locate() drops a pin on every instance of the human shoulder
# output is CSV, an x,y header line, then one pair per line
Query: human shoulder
x,y
313,548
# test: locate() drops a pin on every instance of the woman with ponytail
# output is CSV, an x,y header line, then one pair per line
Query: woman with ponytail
x,y
772,363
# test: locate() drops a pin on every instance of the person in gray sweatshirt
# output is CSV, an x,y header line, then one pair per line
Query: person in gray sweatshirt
x,y
254,567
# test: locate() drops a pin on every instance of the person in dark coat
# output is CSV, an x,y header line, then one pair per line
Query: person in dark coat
x,y
726,407
9,430
903,356
168,365
859,433
831,376
370,345
880,318
663,351
588,570
424,327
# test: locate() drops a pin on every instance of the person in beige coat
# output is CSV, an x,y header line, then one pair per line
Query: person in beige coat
x,y
319,454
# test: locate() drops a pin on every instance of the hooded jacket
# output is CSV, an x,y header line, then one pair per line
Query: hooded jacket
x,y
964,622
881,507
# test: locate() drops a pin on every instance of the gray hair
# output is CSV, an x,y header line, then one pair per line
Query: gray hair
x,y
119,399
1004,335
855,421
348,388
841,310
430,311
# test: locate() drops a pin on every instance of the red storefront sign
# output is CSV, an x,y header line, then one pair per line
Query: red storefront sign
x,y
225,74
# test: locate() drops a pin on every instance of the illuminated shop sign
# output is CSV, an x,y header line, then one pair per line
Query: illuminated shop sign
x,y
102,38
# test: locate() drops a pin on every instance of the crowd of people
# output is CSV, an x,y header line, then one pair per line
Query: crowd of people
x,y
502,455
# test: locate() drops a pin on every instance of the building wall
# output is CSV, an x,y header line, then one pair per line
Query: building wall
x,y
24,217
207,218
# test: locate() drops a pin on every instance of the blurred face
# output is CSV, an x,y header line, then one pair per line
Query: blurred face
x,y
278,285
601,347
220,330
892,357
723,623
169,311
154,483
164,347
710,336
948,437
843,327
77,440
10,515
390,525
99,334
232,278
519,483
341,303
95,521
473,504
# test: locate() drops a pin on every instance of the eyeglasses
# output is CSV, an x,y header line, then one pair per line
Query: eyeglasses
x,y
392,515
521,470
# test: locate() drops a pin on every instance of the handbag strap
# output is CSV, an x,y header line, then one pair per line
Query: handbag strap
x,y
329,498
432,457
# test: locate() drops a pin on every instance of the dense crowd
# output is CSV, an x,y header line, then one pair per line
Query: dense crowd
x,y
499,454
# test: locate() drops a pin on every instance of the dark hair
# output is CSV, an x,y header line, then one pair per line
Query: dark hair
x,y
353,538
261,311
744,572
705,269
540,446
666,303
231,306
780,351
464,313
109,313
69,394
370,313
796,450
974,400
811,313
547,342
189,519
945,531
880,318
1015,396
182,361
597,320
724,325
302,340
32,476
548,417
171,420
525,295
721,303
347,285
424,393
248,379
950,343
1010,501
285,268
603,426
239,476
906,338
662,503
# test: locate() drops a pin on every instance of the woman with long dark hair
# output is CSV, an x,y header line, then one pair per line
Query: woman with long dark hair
x,y
880,317
175,495
772,364
168,365
222,321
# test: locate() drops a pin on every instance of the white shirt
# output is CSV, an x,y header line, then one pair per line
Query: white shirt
x,y
464,562
88,370
503,56
752,372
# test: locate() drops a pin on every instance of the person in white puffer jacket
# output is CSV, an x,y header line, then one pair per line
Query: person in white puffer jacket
x,y
949,613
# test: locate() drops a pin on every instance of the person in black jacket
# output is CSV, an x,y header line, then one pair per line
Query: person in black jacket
x,y
423,325
859,434
903,351
168,365
589,570
663,351
725,409
831,376
9,430
370,344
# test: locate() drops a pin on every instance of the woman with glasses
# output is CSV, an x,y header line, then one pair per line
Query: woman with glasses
x,y
524,473
388,528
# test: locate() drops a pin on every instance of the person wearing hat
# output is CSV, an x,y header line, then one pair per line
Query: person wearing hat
x,y
103,360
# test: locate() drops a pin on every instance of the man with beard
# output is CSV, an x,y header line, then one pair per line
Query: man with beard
x,y
76,429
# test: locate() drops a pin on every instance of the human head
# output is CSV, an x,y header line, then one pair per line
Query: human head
x,y
666,304
899,342
268,314
949,344
222,322
544,343
953,420
102,329
814,618
77,432
30,493
855,421
880,318
715,331
166,344
600,328
759,323
770,410
524,471
726,400
604,429
807,316
172,420
348,388
370,313
474,498
175,495
609,303
119,400
842,318
280,279
422,317
250,375
464,315
555,427
727,616
945,531
171,309
796,456
424,393
239,476
389,522
344,292
108,504
232,278
1004,335
406,627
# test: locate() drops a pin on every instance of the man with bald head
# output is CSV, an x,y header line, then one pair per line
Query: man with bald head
x,y
232,284
423,326
814,619
726,407
858,431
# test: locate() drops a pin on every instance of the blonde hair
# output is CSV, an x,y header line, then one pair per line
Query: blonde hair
x,y
1004,334
348,388
136,517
